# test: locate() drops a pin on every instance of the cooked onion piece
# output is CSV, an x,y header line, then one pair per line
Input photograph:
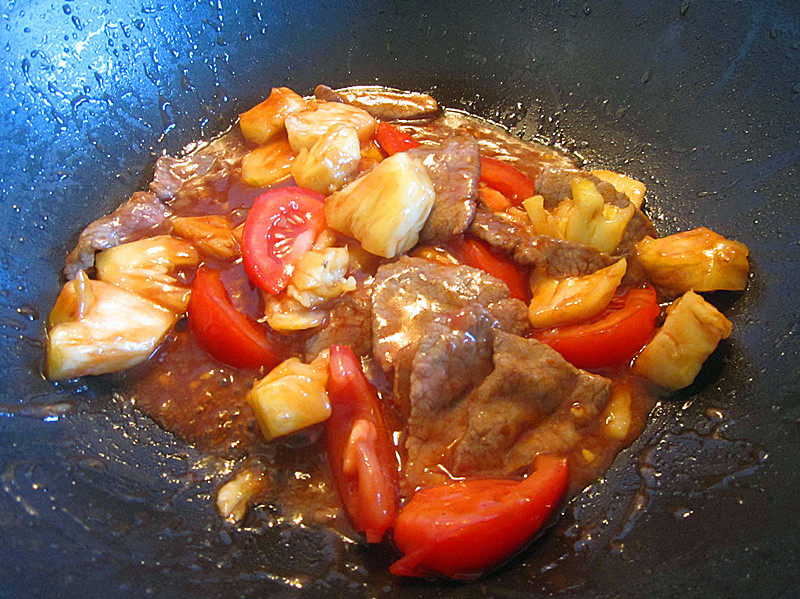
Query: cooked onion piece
x,y
306,127
235,495
286,314
212,235
574,299
320,275
699,260
96,327
330,162
691,331
265,120
149,268
268,164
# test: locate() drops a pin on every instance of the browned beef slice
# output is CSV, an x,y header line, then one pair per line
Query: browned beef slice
x,y
524,406
454,167
204,173
382,103
141,214
349,323
560,258
327,94
411,294
554,185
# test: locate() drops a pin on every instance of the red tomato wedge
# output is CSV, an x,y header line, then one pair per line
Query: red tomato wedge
x,y
222,330
478,254
280,227
359,446
614,338
392,140
508,180
461,530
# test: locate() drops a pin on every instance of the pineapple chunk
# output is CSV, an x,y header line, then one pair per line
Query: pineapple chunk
x,y
320,275
286,314
330,162
386,208
306,127
624,184
291,397
700,259
574,299
96,327
542,222
268,164
691,331
586,218
149,267
265,120
212,235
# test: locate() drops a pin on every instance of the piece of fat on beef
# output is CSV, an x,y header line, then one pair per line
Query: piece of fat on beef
x,y
454,167
554,185
519,399
205,172
135,219
559,258
349,323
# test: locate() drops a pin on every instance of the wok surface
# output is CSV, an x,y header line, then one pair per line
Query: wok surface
x,y
701,101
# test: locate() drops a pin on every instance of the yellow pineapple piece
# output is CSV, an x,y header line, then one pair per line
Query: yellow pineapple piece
x,y
690,333
266,120
700,259
386,208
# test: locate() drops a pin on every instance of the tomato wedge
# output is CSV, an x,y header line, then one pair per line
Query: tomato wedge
x,y
508,180
614,338
392,140
478,254
359,446
222,330
462,529
280,227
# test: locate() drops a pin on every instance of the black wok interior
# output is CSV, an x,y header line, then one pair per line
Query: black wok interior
x,y
700,100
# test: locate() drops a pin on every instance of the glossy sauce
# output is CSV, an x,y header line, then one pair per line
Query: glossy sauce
x,y
203,402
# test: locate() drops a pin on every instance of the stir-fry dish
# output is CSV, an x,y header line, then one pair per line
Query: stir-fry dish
x,y
396,320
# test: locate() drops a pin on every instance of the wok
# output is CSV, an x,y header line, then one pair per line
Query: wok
x,y
698,99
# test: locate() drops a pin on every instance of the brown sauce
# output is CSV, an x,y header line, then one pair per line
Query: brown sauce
x,y
202,401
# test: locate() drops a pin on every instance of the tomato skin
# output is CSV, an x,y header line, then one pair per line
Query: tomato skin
x,y
222,330
359,447
508,180
392,140
462,529
477,254
614,338
280,227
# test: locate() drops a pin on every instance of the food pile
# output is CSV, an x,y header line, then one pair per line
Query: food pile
x,y
467,327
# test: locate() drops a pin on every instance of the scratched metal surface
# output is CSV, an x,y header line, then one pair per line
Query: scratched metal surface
x,y
701,100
